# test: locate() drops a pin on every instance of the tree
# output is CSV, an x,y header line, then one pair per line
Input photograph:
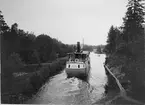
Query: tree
x,y
111,40
14,27
3,26
133,20
99,51
43,44
133,36
133,32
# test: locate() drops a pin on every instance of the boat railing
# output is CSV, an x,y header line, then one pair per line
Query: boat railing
x,y
77,60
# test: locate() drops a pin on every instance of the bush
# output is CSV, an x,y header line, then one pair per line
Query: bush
x,y
11,64
36,80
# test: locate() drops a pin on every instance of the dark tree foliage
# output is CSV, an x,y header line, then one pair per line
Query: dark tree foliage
x,y
112,40
133,20
43,44
88,47
129,43
133,35
133,32
99,50
3,26
31,49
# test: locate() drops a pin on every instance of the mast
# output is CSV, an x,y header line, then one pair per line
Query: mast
x,y
83,44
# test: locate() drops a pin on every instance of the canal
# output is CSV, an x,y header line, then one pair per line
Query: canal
x,y
60,90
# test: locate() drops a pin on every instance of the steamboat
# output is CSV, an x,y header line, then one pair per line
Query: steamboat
x,y
78,64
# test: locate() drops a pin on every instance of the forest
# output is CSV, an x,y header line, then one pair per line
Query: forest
x,y
27,48
23,55
125,48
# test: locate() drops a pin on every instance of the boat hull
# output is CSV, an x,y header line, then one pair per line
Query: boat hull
x,y
83,72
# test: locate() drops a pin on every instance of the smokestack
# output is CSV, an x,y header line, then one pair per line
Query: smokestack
x,y
78,47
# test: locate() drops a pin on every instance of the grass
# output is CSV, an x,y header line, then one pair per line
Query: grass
x,y
17,89
133,72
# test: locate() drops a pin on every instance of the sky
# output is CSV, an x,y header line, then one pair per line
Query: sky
x,y
67,20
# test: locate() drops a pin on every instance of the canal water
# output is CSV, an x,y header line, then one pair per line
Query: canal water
x,y
60,90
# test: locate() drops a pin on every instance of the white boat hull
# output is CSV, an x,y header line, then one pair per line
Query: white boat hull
x,y
82,72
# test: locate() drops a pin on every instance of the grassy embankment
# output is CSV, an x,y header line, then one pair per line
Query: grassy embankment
x,y
124,68
23,84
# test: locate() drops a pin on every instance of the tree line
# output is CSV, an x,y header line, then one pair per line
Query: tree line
x,y
127,43
99,48
27,47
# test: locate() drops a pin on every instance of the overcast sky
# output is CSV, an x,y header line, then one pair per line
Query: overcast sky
x,y
67,20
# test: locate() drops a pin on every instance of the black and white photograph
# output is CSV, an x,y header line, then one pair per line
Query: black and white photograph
x,y
72,52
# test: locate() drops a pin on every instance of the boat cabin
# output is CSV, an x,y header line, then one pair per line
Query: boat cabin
x,y
82,57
